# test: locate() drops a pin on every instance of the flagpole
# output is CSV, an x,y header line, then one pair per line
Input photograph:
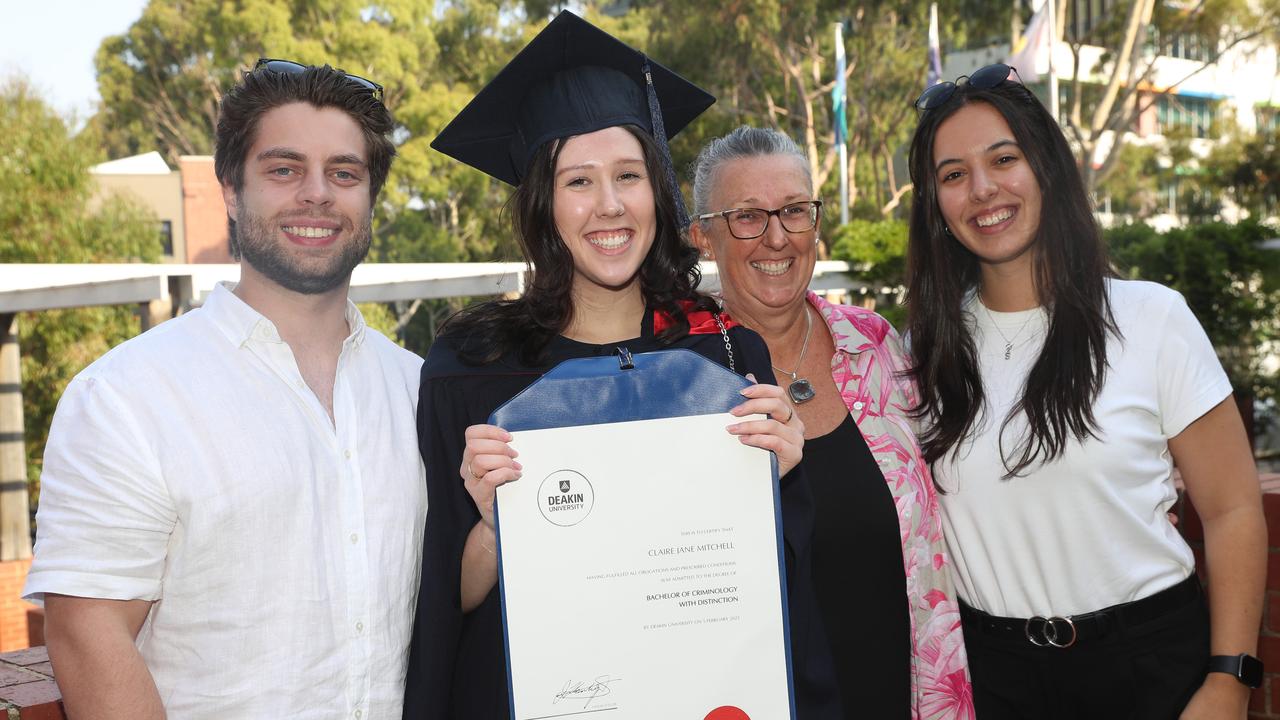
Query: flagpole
x,y
840,131
1053,74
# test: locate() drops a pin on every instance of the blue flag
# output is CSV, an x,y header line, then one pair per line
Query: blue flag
x,y
838,93
934,75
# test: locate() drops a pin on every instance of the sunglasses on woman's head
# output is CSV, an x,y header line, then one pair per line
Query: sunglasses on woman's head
x,y
984,78
289,67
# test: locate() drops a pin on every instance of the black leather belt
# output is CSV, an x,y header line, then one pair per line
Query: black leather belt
x,y
1066,631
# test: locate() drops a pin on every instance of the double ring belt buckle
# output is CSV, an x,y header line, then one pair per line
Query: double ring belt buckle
x,y
1045,632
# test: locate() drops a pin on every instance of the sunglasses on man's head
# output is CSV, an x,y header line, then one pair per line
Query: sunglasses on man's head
x,y
289,67
984,78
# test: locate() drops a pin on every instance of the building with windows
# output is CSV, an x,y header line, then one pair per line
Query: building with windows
x,y
187,202
1199,89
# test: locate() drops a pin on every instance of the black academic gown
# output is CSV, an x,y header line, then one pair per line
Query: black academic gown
x,y
457,663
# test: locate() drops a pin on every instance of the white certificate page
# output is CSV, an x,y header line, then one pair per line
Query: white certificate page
x,y
642,575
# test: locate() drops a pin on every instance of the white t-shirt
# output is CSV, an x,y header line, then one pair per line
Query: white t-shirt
x,y
1090,529
192,466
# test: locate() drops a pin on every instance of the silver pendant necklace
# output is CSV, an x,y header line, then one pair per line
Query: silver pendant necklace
x,y
1008,341
800,389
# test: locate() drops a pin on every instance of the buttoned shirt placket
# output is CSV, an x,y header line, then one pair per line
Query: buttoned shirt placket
x,y
341,436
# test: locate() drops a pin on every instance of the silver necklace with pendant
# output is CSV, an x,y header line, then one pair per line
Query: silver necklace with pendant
x,y
800,389
1008,342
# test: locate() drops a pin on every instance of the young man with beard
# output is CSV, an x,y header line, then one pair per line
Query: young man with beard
x,y
232,503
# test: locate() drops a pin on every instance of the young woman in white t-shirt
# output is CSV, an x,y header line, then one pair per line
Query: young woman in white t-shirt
x,y
1056,400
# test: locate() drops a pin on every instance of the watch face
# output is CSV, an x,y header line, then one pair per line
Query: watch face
x,y
1250,671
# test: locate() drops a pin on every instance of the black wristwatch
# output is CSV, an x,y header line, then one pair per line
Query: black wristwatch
x,y
1245,668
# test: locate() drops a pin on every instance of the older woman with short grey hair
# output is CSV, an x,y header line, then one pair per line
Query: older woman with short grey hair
x,y
879,561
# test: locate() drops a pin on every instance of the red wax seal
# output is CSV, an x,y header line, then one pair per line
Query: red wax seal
x,y
727,712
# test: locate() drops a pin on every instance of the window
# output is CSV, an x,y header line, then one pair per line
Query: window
x,y
1196,46
166,236
1268,118
1169,196
1185,111
1190,46
1083,16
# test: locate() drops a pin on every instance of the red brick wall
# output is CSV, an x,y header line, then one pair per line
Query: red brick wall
x,y
13,610
1264,703
203,211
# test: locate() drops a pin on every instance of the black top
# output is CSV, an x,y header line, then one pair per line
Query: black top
x,y
858,574
457,664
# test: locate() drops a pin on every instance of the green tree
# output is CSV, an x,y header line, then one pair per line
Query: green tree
x,y
1108,92
1142,176
45,187
877,249
161,80
1245,168
772,64
1133,186
45,184
1230,281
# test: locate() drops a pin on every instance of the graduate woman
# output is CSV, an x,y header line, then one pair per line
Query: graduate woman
x,y
1058,398
575,125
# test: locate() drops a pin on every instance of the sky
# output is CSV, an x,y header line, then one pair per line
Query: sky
x,y
52,43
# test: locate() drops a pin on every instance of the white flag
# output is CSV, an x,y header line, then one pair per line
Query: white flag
x,y
1030,56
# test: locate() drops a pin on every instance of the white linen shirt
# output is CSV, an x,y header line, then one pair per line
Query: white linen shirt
x,y
192,466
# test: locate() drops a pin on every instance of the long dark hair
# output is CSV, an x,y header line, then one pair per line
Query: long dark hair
x,y
527,324
1070,269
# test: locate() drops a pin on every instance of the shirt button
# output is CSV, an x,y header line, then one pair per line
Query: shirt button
x,y
858,405
301,384
354,538
359,714
359,627
346,454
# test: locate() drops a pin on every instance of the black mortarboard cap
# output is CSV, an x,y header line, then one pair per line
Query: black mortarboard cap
x,y
572,79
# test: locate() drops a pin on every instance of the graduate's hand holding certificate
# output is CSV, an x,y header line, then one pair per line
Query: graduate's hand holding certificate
x,y
488,461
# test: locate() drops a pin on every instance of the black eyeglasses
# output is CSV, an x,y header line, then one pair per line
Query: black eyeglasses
x,y
751,223
984,78
289,67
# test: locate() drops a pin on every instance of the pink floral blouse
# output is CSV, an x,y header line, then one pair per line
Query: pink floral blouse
x,y
868,369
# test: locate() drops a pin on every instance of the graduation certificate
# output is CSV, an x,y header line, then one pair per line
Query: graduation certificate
x,y
641,571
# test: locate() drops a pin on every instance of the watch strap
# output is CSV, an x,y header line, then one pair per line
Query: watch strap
x,y
1245,668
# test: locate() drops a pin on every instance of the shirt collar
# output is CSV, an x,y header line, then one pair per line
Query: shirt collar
x,y
845,334
240,323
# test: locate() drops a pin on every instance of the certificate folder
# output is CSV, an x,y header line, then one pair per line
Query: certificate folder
x,y
640,555
587,391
